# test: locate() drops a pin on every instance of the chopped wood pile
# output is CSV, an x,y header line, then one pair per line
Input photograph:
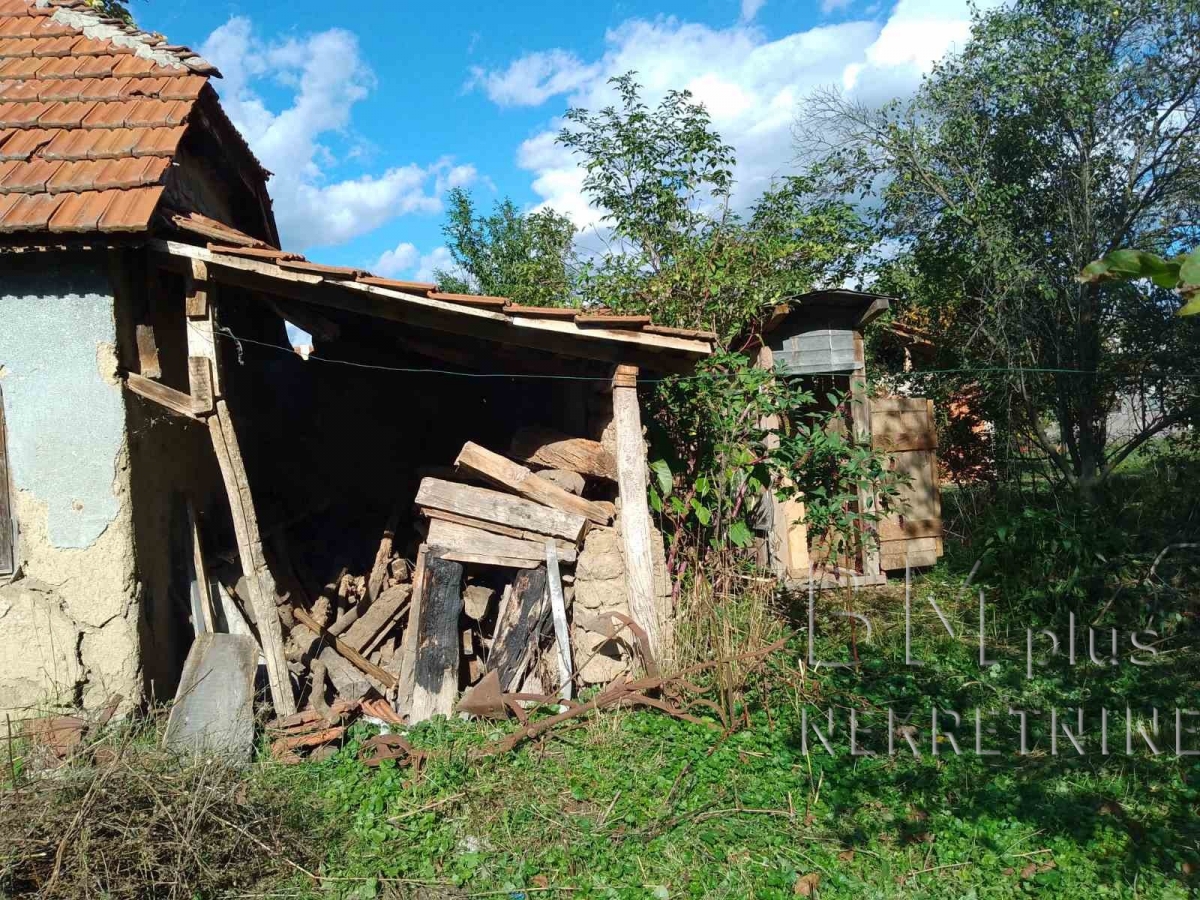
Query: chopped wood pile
x,y
485,595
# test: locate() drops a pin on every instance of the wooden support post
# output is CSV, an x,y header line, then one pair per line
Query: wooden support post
x,y
408,645
435,682
860,412
201,334
635,511
259,580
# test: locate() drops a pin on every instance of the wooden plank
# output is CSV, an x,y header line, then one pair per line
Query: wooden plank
x,y
382,556
175,401
201,382
558,611
380,615
344,650
202,611
564,546
195,304
438,642
635,511
552,450
407,651
514,477
480,559
464,539
201,322
518,626
901,527
503,509
7,529
260,583
147,347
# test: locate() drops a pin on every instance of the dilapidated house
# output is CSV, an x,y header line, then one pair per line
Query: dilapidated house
x,y
168,465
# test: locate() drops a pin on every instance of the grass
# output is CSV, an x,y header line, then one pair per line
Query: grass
x,y
635,804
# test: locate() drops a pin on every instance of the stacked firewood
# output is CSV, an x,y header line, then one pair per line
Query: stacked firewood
x,y
488,593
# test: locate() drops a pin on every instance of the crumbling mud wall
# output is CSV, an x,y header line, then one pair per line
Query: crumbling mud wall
x,y
69,617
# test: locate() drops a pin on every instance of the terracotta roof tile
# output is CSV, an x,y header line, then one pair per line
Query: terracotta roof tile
x,y
88,125
159,141
472,299
212,229
254,252
419,287
609,320
300,265
131,210
542,312
30,177
22,144
21,115
31,212
81,212
66,115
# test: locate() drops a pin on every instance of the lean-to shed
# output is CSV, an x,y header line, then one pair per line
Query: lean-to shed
x,y
155,426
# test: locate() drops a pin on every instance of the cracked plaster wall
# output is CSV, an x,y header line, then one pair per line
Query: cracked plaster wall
x,y
69,621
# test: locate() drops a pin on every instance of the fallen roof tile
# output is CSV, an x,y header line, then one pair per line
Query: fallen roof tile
x,y
131,210
212,229
419,287
81,212
254,252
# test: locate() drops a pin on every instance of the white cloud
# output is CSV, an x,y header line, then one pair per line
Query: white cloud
x,y
408,263
829,7
325,76
750,9
753,87
534,79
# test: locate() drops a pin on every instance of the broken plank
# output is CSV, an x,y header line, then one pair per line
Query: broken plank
x,y
345,650
514,477
176,401
463,538
553,450
438,643
517,629
503,509
147,347
202,611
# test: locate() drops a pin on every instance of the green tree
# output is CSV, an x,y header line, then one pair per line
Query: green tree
x,y
663,179
526,257
1065,129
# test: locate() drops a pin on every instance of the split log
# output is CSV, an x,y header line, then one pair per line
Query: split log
x,y
437,658
552,450
382,557
520,624
345,650
515,478
462,538
404,660
379,616
503,509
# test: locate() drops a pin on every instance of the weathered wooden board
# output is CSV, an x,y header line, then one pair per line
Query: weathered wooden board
x,y
166,397
464,539
520,622
905,428
515,478
438,642
386,608
554,450
503,509
558,611
147,347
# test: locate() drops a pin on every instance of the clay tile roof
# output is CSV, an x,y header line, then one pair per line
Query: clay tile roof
x,y
471,299
418,287
203,226
92,112
542,312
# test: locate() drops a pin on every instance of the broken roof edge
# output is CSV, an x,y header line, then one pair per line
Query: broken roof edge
x,y
867,305
654,350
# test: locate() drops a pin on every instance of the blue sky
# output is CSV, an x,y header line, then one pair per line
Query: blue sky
x,y
368,112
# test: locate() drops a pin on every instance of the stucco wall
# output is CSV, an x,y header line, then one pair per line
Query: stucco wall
x,y
69,621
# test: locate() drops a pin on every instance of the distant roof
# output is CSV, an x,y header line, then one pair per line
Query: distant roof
x,y
854,309
92,112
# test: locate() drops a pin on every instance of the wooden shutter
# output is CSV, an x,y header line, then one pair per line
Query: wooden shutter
x,y
7,528
904,427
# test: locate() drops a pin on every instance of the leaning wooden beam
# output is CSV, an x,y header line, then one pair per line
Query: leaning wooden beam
x,y
635,510
438,643
558,609
260,583
514,477
503,509
345,650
